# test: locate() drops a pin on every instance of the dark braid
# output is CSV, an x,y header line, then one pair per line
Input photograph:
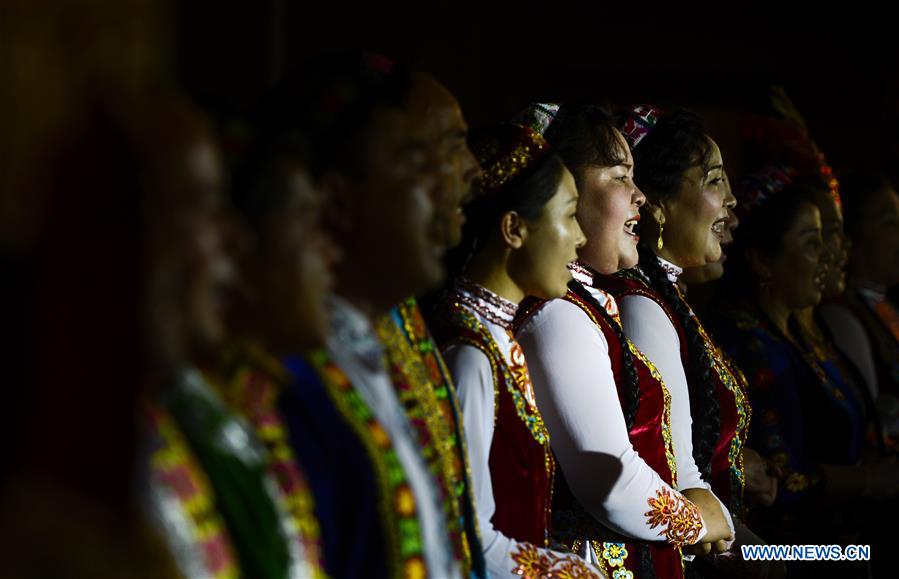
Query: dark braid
x,y
632,392
704,406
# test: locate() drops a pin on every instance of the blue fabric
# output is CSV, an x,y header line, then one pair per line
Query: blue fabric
x,y
340,475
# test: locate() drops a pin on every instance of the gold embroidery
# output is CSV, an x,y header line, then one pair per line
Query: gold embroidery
x,y
680,518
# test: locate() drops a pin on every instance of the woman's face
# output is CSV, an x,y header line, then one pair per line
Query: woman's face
x,y
795,273
696,219
835,247
609,210
875,251
715,270
540,265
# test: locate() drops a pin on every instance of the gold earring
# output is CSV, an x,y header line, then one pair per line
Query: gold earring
x,y
660,244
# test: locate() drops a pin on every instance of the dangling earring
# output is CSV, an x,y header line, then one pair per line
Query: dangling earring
x,y
660,243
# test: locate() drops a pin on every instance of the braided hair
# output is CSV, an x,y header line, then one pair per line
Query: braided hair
x,y
677,143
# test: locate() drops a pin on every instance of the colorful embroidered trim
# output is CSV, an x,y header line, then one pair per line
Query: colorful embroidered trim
x,y
398,507
174,467
416,393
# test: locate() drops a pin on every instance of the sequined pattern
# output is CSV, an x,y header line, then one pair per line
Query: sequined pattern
x,y
501,164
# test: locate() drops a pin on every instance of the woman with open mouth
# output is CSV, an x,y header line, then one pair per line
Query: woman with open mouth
x,y
605,404
680,170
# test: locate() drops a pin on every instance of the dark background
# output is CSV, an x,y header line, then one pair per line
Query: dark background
x,y
838,63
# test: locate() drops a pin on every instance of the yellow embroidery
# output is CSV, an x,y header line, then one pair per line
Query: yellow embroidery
x,y
680,518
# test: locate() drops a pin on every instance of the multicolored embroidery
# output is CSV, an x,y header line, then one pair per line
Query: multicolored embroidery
x,y
174,467
735,382
254,380
460,317
680,518
418,335
533,563
417,394
526,412
398,508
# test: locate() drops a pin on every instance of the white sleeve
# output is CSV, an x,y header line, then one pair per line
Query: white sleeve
x,y
568,358
851,339
651,330
473,377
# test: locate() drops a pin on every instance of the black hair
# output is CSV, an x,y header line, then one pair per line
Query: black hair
x,y
527,194
677,143
857,191
331,102
584,136
763,230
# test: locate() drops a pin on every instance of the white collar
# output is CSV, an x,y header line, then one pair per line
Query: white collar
x,y
672,271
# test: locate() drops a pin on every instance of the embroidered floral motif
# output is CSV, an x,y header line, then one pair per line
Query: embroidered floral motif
x,y
680,518
532,563
622,574
614,553
797,482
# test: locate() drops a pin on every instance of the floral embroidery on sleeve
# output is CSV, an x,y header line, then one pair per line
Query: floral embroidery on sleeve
x,y
679,516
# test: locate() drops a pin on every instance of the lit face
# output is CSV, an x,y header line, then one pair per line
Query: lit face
x,y
540,265
296,257
386,215
835,256
875,251
715,270
435,109
794,274
609,210
696,219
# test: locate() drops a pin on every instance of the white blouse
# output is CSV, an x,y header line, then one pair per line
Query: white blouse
x,y
651,330
568,356
473,377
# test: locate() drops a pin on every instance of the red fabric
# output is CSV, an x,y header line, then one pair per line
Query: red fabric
x,y
645,434
522,484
